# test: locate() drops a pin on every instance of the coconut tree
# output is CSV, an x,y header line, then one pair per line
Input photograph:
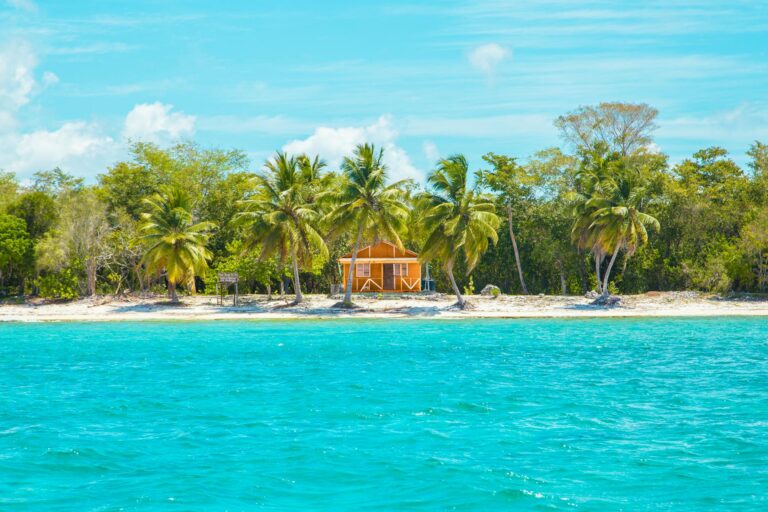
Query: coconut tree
x,y
175,243
282,217
458,219
617,222
366,204
597,166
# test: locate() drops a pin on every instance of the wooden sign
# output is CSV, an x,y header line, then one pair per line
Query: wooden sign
x,y
228,277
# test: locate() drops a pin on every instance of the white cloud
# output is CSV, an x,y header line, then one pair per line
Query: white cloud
x,y
78,147
84,148
17,80
485,58
333,144
154,122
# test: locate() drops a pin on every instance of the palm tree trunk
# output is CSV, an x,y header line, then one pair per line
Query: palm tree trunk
x,y
598,263
514,248
296,282
280,270
449,270
172,290
610,266
348,291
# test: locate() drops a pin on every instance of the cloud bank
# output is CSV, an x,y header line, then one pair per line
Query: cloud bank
x,y
333,144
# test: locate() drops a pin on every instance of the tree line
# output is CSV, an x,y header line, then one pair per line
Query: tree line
x,y
606,212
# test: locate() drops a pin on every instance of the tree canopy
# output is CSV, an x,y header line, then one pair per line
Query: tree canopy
x,y
606,211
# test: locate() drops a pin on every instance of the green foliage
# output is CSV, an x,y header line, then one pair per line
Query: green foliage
x,y
15,249
9,188
609,205
255,274
81,234
754,247
175,243
58,285
126,184
470,288
55,182
39,211
283,216
457,217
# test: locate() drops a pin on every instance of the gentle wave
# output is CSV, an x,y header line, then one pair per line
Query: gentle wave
x,y
346,415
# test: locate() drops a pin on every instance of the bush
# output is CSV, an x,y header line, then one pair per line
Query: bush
x,y
470,288
58,285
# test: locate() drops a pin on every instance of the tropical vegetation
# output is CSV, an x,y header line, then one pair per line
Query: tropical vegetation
x,y
605,211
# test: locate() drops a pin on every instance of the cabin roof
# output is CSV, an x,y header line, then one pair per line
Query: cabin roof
x,y
397,254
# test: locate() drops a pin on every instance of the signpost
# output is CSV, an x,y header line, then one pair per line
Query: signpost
x,y
226,279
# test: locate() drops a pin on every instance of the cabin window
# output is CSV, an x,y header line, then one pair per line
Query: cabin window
x,y
400,269
363,270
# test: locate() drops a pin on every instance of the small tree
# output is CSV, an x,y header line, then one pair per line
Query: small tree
x,y
175,243
514,185
15,248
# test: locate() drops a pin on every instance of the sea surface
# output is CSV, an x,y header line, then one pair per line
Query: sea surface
x,y
643,414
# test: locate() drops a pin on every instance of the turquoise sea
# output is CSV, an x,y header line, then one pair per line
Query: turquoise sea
x,y
651,414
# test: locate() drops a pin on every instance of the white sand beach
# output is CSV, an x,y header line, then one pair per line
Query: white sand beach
x,y
439,306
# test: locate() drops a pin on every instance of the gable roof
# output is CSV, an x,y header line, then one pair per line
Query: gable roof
x,y
383,250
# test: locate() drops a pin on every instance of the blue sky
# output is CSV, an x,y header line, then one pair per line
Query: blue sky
x,y
422,80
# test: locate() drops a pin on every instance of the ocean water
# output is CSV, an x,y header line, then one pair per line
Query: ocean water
x,y
653,414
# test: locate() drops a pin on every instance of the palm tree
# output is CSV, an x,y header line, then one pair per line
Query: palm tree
x,y
457,218
282,216
175,243
366,204
597,165
617,220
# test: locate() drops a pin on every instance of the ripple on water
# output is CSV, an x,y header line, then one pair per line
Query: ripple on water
x,y
339,415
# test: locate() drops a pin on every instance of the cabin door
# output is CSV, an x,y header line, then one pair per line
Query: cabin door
x,y
389,276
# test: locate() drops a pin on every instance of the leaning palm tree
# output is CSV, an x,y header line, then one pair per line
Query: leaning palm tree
x,y
617,222
597,167
457,218
282,217
175,243
365,204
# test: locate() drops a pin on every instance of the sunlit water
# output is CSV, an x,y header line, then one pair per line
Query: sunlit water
x,y
385,415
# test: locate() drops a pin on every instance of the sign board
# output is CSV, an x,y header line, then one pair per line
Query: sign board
x,y
228,277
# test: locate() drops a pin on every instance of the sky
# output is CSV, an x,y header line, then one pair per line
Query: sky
x,y
78,79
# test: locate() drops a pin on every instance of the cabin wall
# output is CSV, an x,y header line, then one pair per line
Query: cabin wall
x,y
374,283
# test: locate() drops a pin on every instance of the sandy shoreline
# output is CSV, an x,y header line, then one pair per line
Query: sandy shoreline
x,y
102,309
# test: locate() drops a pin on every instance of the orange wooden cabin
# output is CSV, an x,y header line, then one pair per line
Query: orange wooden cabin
x,y
383,267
